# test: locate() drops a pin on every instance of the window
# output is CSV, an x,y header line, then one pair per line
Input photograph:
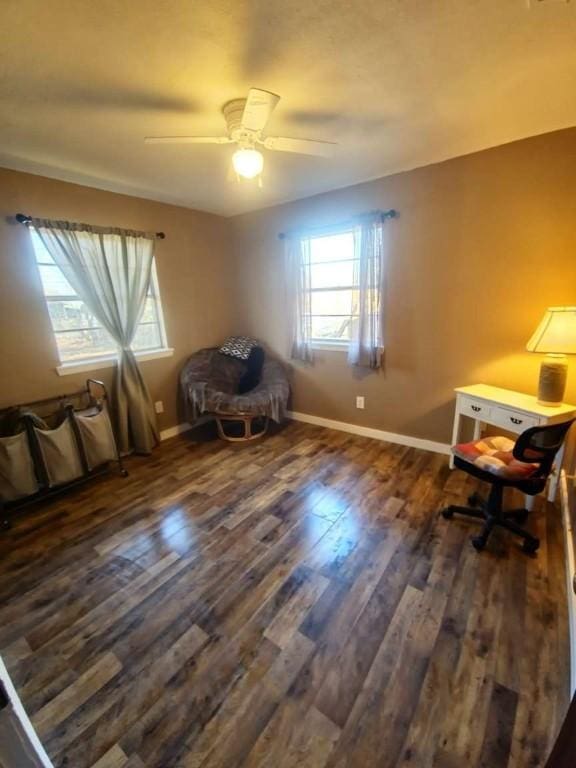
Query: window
x,y
333,287
79,336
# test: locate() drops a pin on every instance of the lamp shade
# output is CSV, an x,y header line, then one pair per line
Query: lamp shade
x,y
556,334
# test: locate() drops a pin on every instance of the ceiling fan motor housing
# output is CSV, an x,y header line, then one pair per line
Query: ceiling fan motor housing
x,y
233,111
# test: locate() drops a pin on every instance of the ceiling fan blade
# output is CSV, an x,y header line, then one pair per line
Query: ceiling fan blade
x,y
187,140
301,146
259,106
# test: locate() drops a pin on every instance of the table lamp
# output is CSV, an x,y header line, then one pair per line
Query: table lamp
x,y
555,337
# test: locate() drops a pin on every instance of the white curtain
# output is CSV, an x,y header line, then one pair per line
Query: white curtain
x,y
298,275
110,271
367,336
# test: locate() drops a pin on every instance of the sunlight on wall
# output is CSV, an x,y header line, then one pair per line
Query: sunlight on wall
x,y
521,371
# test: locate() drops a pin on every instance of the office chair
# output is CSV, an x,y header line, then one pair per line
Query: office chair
x,y
526,467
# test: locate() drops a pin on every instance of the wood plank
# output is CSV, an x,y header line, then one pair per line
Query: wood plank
x,y
473,678
434,707
235,741
71,698
294,739
498,736
281,630
92,729
114,758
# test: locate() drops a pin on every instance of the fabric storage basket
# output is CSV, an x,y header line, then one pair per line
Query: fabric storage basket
x,y
17,476
59,451
97,436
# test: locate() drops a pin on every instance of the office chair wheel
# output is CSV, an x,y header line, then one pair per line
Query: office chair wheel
x,y
478,542
447,513
531,546
475,500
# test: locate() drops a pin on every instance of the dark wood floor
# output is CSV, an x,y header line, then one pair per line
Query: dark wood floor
x,y
297,602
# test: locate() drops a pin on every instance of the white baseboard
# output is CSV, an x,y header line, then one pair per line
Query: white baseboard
x,y
166,434
570,573
342,426
376,434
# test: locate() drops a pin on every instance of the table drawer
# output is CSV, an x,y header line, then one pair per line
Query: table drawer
x,y
513,421
477,409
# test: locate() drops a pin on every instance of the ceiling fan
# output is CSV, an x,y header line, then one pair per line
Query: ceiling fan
x,y
247,120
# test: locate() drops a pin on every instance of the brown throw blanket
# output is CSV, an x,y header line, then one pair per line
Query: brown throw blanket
x,y
209,383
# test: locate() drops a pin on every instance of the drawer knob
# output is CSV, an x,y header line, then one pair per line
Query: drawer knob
x,y
516,421
476,408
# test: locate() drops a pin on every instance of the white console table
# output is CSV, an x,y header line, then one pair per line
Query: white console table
x,y
512,411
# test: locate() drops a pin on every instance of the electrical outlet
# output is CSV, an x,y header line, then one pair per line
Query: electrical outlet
x,y
159,406
360,402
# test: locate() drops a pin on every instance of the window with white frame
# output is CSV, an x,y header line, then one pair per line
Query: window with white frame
x,y
333,287
79,336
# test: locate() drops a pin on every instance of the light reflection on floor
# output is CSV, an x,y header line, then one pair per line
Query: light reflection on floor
x,y
178,529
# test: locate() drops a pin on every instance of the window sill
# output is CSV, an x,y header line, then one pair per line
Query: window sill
x,y
330,346
82,366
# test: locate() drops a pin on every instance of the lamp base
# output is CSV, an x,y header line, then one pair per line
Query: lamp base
x,y
552,382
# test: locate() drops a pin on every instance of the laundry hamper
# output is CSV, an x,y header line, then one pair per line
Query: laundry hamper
x,y
17,474
59,452
49,445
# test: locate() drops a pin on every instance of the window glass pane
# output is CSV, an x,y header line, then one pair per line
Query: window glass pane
x,y
147,337
332,303
324,327
332,247
77,332
42,255
332,274
54,282
71,314
149,313
75,345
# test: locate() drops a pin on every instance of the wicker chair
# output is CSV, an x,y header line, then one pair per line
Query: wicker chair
x,y
209,384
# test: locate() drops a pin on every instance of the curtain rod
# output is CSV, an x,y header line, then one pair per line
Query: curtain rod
x,y
22,218
392,213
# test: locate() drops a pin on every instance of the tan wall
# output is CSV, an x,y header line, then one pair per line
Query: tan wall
x,y
193,265
483,245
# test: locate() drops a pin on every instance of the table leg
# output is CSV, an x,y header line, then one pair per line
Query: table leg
x,y
477,429
555,476
455,433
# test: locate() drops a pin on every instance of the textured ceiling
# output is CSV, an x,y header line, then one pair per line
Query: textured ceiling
x,y
397,83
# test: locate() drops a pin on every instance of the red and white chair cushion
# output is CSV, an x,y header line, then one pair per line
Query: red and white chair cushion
x,y
494,454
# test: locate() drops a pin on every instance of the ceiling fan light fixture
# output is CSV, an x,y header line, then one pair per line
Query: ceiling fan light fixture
x,y
248,163
246,121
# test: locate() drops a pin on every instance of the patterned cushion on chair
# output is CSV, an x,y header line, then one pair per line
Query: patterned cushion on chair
x,y
494,454
238,346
